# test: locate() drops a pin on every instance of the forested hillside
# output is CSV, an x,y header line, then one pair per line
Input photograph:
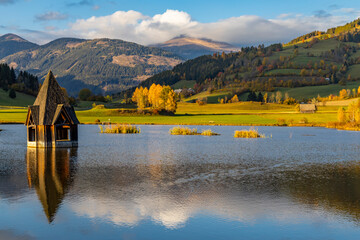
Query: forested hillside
x,y
100,64
21,82
312,61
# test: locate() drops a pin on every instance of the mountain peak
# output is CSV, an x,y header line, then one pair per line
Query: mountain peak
x,y
190,47
12,43
12,37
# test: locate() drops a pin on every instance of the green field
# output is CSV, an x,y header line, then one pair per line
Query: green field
x,y
184,84
283,72
211,97
193,114
354,70
21,100
311,91
314,91
233,108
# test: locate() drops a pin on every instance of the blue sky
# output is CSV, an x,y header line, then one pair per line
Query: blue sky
x,y
147,22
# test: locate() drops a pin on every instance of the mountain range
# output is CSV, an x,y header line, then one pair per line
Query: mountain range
x,y
102,65
189,47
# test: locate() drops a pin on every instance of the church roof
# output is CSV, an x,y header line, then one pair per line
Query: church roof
x,y
47,103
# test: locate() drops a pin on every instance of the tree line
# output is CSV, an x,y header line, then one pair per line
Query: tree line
x,y
21,82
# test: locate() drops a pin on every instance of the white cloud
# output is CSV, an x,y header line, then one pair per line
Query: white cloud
x,y
242,30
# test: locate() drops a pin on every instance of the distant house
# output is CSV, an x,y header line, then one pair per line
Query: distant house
x,y
307,108
178,91
51,121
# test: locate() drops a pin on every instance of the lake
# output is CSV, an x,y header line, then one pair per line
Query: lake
x,y
299,183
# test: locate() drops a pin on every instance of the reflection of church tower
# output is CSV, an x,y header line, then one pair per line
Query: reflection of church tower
x,y
50,172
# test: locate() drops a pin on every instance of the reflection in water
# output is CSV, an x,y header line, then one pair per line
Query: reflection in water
x,y
171,194
156,184
333,187
50,172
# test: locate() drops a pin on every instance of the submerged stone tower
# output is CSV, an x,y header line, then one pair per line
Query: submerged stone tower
x,y
51,121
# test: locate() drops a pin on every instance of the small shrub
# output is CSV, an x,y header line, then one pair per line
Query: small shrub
x,y
291,121
251,133
201,101
290,101
209,132
304,120
281,122
12,93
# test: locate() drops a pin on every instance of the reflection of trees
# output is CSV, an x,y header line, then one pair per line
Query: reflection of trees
x,y
335,188
50,172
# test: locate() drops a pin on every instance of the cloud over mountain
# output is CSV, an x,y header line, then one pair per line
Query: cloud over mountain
x,y
137,27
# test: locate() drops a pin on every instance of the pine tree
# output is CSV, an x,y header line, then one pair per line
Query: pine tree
x,y
12,93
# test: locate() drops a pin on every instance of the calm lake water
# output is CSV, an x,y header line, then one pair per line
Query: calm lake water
x,y
303,183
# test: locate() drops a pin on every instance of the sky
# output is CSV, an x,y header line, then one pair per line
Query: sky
x,y
146,22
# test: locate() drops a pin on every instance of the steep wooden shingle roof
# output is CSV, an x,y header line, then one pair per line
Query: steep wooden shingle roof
x,y
47,101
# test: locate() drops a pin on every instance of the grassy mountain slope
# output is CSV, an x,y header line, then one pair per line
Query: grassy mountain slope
x,y
22,100
188,47
310,63
11,43
330,33
100,64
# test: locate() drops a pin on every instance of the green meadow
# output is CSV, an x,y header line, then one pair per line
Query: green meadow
x,y
21,100
194,114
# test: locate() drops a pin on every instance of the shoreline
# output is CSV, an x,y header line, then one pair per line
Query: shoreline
x,y
309,125
194,124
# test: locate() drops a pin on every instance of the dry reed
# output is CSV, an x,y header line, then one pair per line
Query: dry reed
x,y
183,131
251,133
120,128
187,131
209,133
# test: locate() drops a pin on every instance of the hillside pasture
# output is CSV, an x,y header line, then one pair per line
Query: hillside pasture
x,y
184,84
21,100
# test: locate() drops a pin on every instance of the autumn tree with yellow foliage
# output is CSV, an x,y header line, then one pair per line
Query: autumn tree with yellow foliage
x,y
160,98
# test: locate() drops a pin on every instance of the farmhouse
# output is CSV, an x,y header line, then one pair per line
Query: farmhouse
x,y
307,108
51,121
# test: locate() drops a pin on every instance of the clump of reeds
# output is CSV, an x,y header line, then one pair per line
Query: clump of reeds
x,y
183,131
251,133
188,131
119,128
209,132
